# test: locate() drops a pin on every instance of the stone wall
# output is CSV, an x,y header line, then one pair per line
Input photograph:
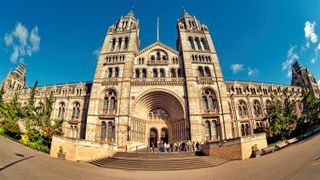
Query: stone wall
x,y
80,150
237,148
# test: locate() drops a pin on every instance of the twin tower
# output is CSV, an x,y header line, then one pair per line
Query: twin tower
x,y
144,96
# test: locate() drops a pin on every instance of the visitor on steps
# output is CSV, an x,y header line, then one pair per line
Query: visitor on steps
x,y
152,146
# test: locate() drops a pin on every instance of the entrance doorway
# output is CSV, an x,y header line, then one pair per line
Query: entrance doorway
x,y
165,135
153,137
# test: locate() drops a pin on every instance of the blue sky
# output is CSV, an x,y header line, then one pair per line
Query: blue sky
x,y
255,40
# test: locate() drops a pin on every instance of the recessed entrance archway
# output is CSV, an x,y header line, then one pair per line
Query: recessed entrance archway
x,y
162,112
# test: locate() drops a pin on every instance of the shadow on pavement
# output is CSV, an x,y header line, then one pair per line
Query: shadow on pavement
x,y
13,163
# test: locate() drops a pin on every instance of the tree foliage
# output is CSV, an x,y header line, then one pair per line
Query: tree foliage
x,y
40,127
284,122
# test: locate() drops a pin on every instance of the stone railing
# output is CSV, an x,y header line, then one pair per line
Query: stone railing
x,y
205,80
158,62
110,81
158,81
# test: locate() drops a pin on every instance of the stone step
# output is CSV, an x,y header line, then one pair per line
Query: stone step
x,y
158,164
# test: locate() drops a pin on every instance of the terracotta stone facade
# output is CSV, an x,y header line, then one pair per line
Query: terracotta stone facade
x,y
159,93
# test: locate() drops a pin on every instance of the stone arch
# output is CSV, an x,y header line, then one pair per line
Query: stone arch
x,y
159,98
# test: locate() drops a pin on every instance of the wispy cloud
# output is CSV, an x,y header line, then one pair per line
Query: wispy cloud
x,y
291,57
252,72
236,68
21,42
309,33
96,52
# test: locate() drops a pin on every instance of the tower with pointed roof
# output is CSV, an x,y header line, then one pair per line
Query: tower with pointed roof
x,y
15,80
302,77
203,72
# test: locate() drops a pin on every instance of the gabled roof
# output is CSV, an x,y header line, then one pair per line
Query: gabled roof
x,y
159,44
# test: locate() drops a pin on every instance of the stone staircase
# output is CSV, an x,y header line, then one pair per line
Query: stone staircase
x,y
158,161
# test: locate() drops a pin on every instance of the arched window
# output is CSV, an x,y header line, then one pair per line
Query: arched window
x,y
200,71
103,131
110,131
257,108
158,55
73,131
207,130
126,43
204,44
191,44
205,103
155,73
110,72
173,73
137,73
110,102
76,110
179,73
198,43
113,43
214,130
152,57
144,73
268,106
242,108
162,73
210,99
119,43
61,110
207,71
116,72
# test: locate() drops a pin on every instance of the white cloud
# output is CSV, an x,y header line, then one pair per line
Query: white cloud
x,y
21,42
96,52
253,72
313,61
318,46
291,57
289,74
34,41
319,83
236,68
309,31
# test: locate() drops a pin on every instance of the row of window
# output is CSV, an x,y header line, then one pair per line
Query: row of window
x,y
110,102
156,73
200,58
113,72
115,59
140,61
107,131
204,71
265,91
75,110
120,43
209,101
198,43
257,110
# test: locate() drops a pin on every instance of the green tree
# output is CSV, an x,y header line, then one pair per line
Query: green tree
x,y
11,113
310,115
30,110
282,120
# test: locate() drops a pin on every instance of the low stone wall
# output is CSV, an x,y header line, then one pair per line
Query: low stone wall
x,y
236,148
80,150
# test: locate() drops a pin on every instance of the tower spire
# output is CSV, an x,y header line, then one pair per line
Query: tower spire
x,y
158,26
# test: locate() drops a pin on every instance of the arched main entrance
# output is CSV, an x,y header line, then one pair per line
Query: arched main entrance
x,y
161,116
153,137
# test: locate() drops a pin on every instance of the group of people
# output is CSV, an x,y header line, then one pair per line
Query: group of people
x,y
179,146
